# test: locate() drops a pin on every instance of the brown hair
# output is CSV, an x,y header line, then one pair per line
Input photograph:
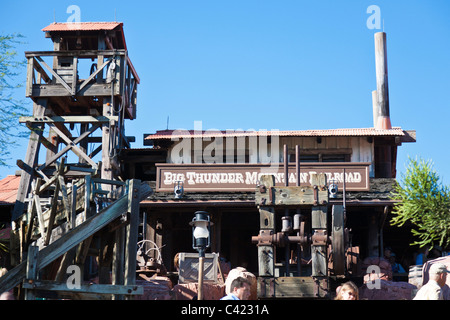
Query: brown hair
x,y
239,283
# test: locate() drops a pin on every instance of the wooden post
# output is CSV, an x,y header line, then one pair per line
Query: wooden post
x,y
33,252
319,226
373,235
106,146
266,253
105,255
53,138
132,232
83,143
30,160
118,259
201,261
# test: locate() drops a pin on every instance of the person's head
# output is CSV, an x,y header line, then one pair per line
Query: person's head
x,y
435,252
176,261
387,252
438,273
348,291
392,257
240,287
425,249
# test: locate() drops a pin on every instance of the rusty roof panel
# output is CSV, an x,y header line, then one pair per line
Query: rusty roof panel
x,y
8,189
358,132
81,26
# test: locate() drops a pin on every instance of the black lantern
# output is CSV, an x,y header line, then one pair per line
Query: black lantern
x,y
201,226
200,241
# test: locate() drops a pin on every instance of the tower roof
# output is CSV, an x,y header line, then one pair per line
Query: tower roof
x,y
72,31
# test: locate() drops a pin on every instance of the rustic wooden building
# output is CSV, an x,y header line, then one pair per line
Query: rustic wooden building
x,y
214,171
218,172
226,189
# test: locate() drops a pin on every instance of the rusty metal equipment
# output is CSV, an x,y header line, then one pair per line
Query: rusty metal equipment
x,y
147,264
320,246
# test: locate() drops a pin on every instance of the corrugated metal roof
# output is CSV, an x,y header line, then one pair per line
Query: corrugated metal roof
x,y
85,26
8,189
358,132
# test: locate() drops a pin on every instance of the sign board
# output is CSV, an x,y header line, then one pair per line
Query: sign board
x,y
245,177
189,267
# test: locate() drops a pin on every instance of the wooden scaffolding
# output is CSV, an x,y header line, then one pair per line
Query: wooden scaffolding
x,y
74,204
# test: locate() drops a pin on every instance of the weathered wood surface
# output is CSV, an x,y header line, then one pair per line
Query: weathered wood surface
x,y
380,190
317,194
267,253
30,160
69,119
292,287
72,238
58,90
132,233
77,53
84,288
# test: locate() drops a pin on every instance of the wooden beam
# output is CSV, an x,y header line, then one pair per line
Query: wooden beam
x,y
51,143
74,75
118,257
58,90
77,53
266,253
71,145
72,238
41,71
303,195
51,219
30,160
68,119
30,74
132,232
292,287
65,198
85,82
319,227
37,205
84,288
106,170
117,183
57,76
33,253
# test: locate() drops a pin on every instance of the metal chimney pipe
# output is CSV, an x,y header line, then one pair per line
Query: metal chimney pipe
x,y
375,108
383,117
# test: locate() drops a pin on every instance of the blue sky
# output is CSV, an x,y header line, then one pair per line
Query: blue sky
x,y
266,64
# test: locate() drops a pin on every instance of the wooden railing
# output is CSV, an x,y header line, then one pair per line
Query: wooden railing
x,y
111,74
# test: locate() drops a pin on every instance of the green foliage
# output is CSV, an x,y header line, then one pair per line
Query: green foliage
x,y
11,108
425,202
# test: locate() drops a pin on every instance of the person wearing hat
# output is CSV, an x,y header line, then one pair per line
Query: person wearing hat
x,y
432,290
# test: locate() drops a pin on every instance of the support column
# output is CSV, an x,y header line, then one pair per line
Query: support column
x,y
373,236
107,172
266,253
31,159
132,232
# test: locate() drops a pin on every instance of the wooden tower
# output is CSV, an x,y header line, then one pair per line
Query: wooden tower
x,y
83,91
